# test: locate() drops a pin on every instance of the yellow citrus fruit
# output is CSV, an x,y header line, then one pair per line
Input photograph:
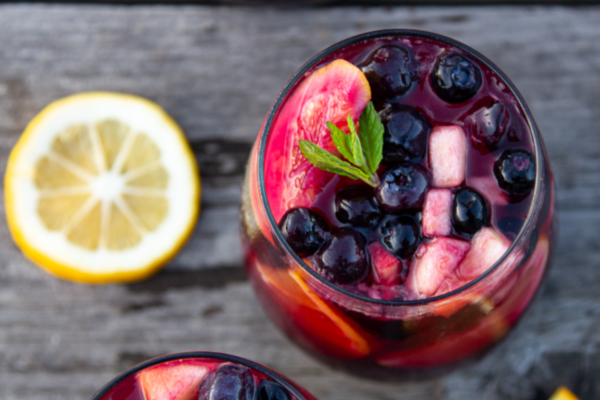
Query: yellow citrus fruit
x,y
101,187
562,393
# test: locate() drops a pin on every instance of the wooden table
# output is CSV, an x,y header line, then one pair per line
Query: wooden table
x,y
216,70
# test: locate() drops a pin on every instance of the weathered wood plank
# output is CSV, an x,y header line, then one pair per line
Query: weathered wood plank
x,y
217,70
334,3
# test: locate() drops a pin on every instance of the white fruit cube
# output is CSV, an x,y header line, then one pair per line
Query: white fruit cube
x,y
436,213
486,248
441,258
448,156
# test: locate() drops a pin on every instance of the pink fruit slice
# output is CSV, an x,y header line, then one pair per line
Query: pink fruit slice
x,y
448,156
317,323
172,381
386,267
486,248
436,213
441,258
329,94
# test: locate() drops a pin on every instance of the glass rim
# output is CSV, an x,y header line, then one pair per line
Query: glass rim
x,y
539,156
199,354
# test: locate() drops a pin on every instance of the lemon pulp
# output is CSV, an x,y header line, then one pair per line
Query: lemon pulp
x,y
102,187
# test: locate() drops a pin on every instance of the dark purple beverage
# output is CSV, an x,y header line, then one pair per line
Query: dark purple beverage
x,y
435,254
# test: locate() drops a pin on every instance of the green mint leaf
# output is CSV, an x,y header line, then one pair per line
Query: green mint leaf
x,y
364,152
357,151
341,142
371,137
328,162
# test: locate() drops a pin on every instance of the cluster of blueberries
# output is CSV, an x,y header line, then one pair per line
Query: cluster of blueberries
x,y
236,382
391,212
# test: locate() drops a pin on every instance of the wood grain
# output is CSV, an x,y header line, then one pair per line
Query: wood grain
x,y
217,70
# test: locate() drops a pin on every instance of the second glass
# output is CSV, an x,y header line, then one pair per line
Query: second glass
x,y
201,376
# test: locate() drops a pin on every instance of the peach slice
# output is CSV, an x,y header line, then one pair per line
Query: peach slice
x,y
329,94
329,330
172,381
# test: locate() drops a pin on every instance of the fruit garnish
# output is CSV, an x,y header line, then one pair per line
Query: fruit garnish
x,y
455,78
171,381
329,93
228,382
562,393
102,187
269,390
406,133
470,211
401,235
515,171
403,188
386,267
441,258
343,257
436,213
487,246
356,205
303,230
363,150
448,156
331,331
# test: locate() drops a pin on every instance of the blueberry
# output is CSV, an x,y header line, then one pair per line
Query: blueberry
x,y
401,235
304,231
455,78
343,258
406,133
229,382
489,124
269,390
403,188
356,205
515,171
390,71
470,212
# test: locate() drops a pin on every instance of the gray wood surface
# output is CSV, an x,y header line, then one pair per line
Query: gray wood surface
x,y
217,70
332,3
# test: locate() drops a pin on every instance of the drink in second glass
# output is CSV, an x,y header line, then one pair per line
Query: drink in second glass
x,y
201,376
397,208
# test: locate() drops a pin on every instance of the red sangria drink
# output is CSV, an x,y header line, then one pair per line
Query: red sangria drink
x,y
201,376
397,208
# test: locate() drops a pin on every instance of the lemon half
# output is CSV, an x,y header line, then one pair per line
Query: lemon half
x,y
101,187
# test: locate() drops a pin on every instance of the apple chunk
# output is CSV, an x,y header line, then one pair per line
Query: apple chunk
x,y
439,261
486,248
448,156
172,381
386,267
437,213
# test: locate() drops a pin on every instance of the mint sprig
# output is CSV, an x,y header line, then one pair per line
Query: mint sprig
x,y
363,150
